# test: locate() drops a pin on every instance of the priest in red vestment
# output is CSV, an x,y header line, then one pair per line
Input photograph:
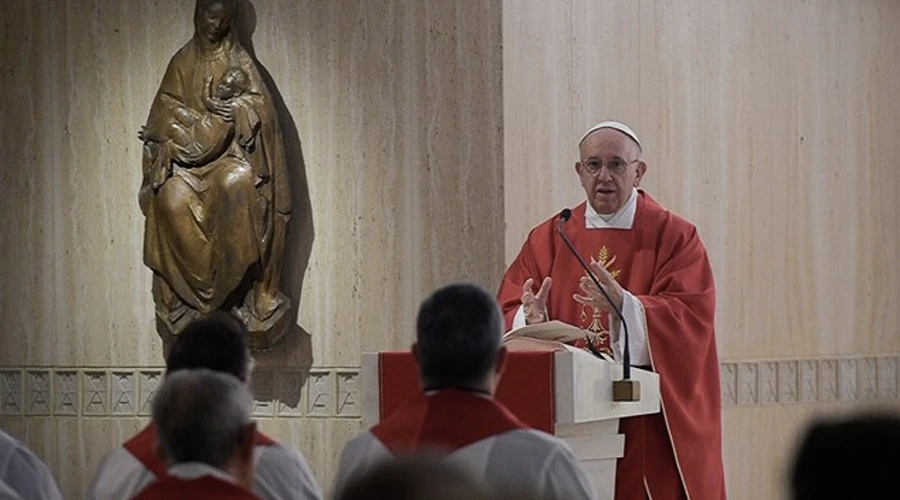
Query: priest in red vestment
x,y
217,342
458,348
653,265
206,437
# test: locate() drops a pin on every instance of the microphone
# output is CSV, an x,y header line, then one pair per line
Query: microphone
x,y
625,389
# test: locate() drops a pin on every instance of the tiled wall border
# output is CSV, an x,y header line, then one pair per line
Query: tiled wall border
x,y
333,392
809,380
320,392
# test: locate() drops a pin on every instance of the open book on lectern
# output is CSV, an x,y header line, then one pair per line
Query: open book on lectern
x,y
548,330
551,332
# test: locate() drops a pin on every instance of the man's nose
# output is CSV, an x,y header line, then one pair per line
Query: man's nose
x,y
604,174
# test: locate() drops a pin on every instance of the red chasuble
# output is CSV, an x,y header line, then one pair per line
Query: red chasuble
x,y
445,422
662,262
206,487
143,447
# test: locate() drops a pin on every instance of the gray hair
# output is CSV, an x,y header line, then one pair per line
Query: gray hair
x,y
200,415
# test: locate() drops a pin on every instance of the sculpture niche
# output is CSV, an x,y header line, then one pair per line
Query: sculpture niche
x,y
215,191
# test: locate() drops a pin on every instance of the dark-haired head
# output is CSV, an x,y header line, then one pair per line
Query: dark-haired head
x,y
410,478
857,457
458,338
216,341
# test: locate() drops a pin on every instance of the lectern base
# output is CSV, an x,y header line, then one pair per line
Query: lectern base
x,y
597,446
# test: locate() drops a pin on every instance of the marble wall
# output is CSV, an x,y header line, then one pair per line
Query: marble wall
x,y
771,125
426,138
393,117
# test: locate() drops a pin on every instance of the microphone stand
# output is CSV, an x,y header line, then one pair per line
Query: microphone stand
x,y
625,389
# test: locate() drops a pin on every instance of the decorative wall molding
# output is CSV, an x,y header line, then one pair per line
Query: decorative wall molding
x,y
321,392
333,392
809,380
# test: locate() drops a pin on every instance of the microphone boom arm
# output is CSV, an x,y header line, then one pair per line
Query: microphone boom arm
x,y
625,389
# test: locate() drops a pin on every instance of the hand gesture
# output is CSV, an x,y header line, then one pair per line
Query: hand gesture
x,y
142,134
594,297
534,305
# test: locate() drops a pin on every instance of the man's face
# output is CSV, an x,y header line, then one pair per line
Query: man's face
x,y
215,22
606,190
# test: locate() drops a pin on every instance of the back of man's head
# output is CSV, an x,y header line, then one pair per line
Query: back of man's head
x,y
201,416
217,341
458,335
413,478
853,458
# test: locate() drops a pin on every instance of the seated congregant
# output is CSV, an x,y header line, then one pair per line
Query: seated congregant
x,y
855,457
458,348
216,342
23,474
414,479
205,437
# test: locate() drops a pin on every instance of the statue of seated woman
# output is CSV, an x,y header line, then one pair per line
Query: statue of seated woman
x,y
215,189
194,139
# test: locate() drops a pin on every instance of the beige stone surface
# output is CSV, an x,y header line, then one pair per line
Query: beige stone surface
x,y
760,443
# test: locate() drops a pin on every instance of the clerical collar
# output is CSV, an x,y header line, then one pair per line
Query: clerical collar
x,y
431,391
196,470
623,219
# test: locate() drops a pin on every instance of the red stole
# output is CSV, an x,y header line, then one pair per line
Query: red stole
x,y
661,261
205,487
445,422
143,448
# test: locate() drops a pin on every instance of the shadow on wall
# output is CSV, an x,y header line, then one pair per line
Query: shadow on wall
x,y
294,351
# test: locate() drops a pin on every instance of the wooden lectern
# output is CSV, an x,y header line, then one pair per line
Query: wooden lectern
x,y
548,385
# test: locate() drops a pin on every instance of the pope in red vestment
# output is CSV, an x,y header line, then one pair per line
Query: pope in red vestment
x,y
653,263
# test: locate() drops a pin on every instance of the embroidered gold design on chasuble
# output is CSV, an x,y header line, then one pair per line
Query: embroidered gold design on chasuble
x,y
599,320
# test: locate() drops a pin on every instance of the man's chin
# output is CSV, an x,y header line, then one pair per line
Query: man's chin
x,y
605,208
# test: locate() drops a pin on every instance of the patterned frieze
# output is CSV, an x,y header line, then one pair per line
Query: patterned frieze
x,y
333,392
321,392
809,380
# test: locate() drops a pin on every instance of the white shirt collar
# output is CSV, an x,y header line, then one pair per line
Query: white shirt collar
x,y
195,470
623,219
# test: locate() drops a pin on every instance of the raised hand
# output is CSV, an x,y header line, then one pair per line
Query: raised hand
x,y
592,295
534,305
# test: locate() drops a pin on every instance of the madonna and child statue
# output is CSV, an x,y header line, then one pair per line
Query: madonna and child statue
x,y
215,192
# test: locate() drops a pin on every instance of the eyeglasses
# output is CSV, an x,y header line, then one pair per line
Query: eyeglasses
x,y
616,166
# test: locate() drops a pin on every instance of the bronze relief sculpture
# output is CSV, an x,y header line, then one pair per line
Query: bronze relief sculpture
x,y
215,193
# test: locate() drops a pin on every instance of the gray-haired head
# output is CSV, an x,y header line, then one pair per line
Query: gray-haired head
x,y
201,416
458,334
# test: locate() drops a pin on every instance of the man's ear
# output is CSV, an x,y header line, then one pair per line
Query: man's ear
x,y
415,351
500,362
641,168
242,465
248,434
